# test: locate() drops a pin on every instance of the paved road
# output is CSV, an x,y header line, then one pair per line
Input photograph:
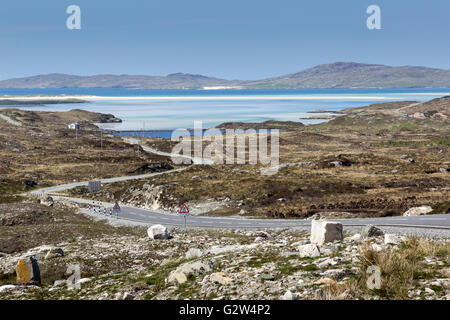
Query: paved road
x,y
195,160
152,217
10,121
41,192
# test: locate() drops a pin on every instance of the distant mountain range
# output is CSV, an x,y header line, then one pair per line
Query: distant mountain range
x,y
335,75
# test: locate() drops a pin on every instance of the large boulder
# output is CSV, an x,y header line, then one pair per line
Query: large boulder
x,y
418,211
158,231
323,231
27,271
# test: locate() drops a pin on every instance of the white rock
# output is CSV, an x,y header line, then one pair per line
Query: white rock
x,y
58,283
194,253
355,237
178,277
327,263
418,211
323,231
84,280
220,277
376,247
289,296
7,287
158,231
429,291
127,296
262,234
390,238
308,251
189,268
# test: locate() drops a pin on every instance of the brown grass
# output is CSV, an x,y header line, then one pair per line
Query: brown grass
x,y
401,269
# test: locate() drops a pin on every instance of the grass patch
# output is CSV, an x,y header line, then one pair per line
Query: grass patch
x,y
401,268
443,142
400,143
443,207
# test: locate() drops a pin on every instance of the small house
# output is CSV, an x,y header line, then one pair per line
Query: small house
x,y
74,126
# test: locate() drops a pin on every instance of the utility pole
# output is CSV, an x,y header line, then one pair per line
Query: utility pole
x,y
101,153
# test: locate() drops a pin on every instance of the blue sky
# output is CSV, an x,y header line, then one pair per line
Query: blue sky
x,y
245,39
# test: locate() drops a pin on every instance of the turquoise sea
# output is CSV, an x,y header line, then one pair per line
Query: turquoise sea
x,y
172,109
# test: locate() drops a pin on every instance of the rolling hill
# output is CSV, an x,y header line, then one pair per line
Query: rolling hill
x,y
334,75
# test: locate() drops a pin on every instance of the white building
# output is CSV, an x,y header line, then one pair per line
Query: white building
x,y
74,125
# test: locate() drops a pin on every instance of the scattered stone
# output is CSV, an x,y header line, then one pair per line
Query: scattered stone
x,y
376,247
58,283
289,296
29,184
178,277
418,211
189,268
390,238
336,163
326,281
356,237
262,234
327,263
267,277
409,161
446,272
429,291
194,253
47,200
220,277
84,280
340,275
323,231
127,296
372,231
7,287
309,251
54,253
158,231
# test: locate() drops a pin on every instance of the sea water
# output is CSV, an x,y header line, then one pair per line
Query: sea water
x,y
166,110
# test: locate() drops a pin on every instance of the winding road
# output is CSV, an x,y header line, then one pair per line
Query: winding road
x,y
147,216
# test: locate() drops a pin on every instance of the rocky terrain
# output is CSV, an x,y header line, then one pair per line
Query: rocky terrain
x,y
38,150
381,160
135,263
378,160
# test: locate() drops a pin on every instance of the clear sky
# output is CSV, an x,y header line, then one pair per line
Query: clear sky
x,y
232,39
